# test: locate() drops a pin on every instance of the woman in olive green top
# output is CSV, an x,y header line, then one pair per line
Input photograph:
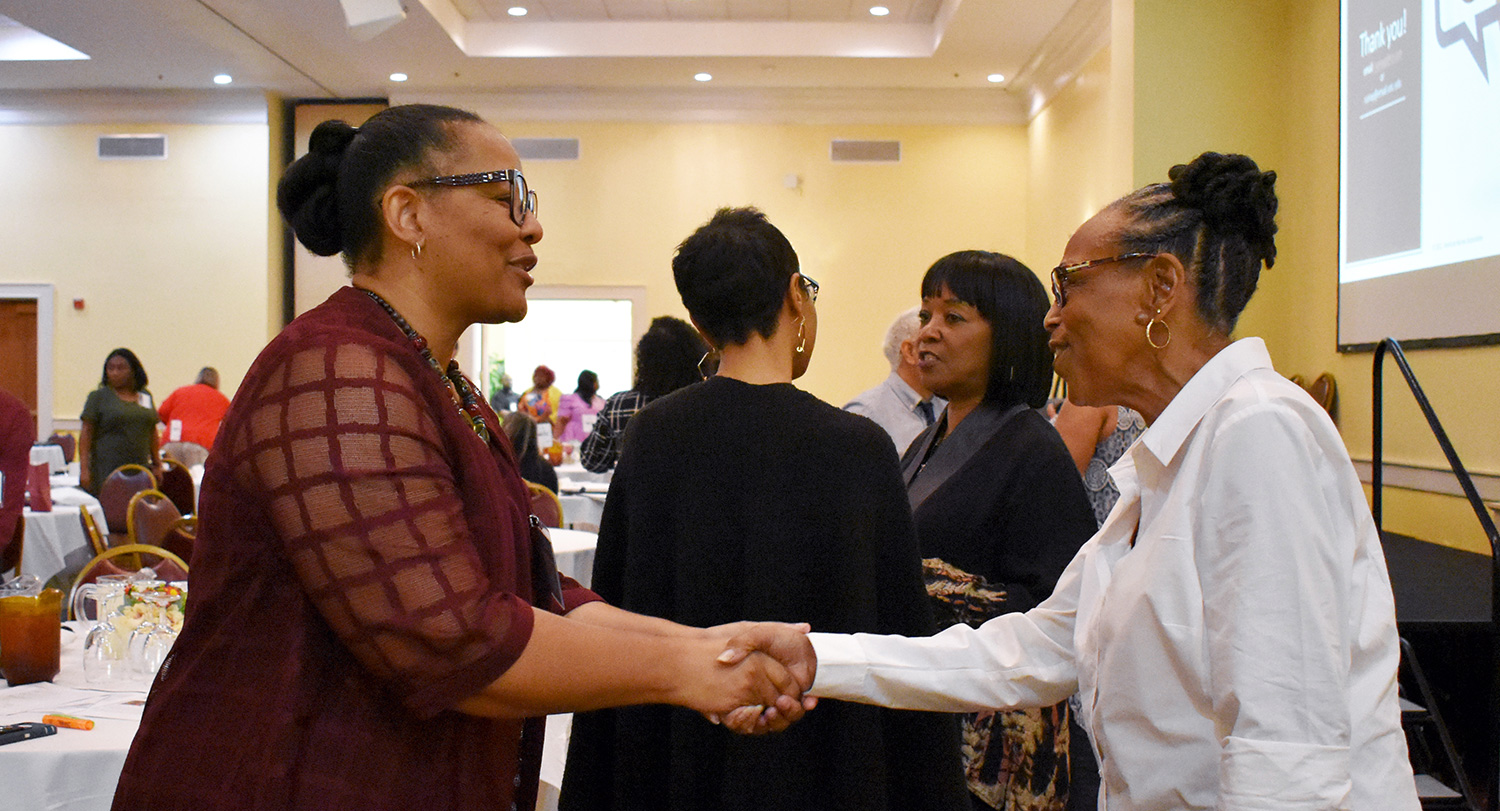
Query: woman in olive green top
x,y
119,422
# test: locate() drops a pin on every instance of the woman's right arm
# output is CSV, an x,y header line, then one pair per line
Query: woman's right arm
x,y
373,523
570,665
85,442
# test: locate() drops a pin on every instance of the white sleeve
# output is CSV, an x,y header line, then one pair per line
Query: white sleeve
x,y
1275,553
1014,660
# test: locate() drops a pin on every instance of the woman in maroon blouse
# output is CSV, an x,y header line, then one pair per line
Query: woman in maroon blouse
x,y
362,630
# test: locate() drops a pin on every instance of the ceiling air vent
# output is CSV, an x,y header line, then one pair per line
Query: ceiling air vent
x,y
546,149
133,147
865,151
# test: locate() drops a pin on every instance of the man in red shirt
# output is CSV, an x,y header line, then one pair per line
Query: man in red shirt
x,y
192,413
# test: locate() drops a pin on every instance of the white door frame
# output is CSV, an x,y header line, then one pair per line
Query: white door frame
x,y
44,296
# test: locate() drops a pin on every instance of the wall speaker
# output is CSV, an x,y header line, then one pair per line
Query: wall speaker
x,y
370,18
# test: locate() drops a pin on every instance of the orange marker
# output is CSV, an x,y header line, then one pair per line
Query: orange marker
x,y
68,722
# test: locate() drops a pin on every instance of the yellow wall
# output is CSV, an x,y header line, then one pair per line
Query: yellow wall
x,y
1073,162
1262,78
866,232
170,256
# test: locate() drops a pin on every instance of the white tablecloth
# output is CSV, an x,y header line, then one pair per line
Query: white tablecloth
x,y
50,455
582,511
55,541
574,550
578,473
74,770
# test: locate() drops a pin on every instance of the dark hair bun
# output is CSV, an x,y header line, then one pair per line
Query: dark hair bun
x,y
308,195
1234,195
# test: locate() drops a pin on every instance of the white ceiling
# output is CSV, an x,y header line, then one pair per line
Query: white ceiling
x,y
925,53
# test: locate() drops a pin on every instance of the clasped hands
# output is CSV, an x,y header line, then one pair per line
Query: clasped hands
x,y
763,675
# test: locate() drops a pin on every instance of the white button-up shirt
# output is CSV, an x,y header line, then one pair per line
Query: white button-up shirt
x,y
1230,629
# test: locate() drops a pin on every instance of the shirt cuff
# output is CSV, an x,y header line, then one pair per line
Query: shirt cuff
x,y
842,666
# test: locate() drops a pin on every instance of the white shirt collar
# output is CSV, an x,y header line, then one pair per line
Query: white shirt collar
x,y
1207,386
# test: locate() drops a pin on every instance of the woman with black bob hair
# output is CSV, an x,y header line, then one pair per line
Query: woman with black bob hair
x,y
374,622
999,506
118,422
743,497
666,359
1230,630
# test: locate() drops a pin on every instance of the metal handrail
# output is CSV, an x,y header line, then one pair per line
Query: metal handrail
x,y
1393,347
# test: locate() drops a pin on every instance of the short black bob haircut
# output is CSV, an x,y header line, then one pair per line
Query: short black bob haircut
x,y
667,356
732,274
1011,298
136,369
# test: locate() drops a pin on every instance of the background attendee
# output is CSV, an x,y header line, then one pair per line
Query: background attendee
x,y
17,433
999,507
504,398
119,422
373,624
900,404
742,497
1097,438
542,399
1231,628
520,428
582,402
198,408
666,359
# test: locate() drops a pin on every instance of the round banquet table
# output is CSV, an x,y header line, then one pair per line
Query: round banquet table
x,y
55,541
74,770
77,770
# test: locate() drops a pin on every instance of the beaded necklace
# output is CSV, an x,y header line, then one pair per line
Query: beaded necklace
x,y
459,388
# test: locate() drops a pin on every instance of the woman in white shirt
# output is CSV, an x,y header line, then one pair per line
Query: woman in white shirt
x,y
1230,629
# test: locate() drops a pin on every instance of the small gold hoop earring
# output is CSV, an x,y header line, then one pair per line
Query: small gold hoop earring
x,y
1153,323
801,335
416,251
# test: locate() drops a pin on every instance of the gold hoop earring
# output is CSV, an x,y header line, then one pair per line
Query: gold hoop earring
x,y
416,251
801,335
1156,322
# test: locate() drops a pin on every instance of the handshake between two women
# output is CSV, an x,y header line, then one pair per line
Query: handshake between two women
x,y
777,663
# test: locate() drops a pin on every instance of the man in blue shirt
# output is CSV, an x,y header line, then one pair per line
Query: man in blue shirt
x,y
899,404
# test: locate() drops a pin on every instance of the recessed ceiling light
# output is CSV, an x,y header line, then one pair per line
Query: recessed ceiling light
x,y
398,77
996,77
879,11
703,77
223,78
516,11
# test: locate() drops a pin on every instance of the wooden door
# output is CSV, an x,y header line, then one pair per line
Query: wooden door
x,y
18,351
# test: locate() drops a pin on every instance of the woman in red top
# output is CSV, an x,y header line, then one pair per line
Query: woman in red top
x,y
362,630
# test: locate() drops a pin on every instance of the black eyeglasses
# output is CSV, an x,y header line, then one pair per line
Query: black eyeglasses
x,y
812,287
522,200
1061,273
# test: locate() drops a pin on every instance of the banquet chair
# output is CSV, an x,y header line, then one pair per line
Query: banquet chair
x,y
1325,392
65,440
97,539
150,516
180,537
115,494
545,505
129,559
177,482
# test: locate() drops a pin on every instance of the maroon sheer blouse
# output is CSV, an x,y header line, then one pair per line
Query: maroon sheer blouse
x,y
362,565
